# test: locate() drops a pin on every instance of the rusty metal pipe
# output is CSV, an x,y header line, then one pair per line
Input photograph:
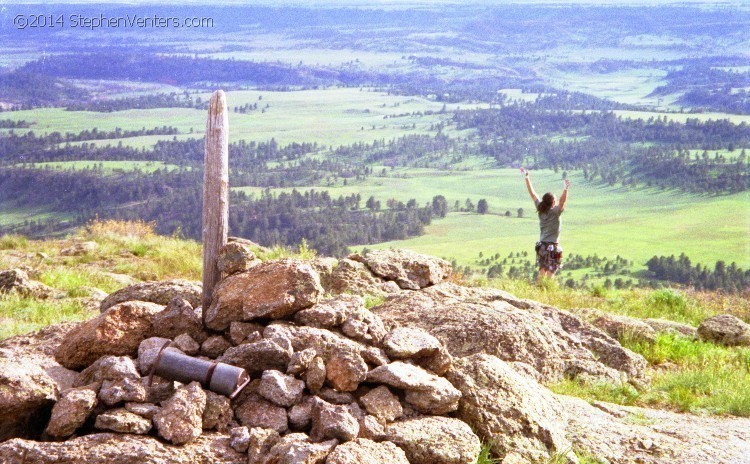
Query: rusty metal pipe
x,y
221,378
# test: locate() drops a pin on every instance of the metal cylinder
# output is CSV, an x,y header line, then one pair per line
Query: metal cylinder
x,y
221,378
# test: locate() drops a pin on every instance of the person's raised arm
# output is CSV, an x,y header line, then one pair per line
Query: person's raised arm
x,y
564,196
533,194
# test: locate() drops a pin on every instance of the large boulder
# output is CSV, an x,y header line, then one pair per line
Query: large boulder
x,y
435,440
672,327
27,394
622,327
556,343
117,331
522,420
79,248
725,329
159,292
625,434
274,289
364,451
18,281
408,269
180,420
115,448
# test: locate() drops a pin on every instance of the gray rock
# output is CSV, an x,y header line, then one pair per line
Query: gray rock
x,y
435,440
117,391
300,361
27,394
240,331
71,411
725,329
330,313
255,411
236,257
218,413
122,421
215,346
18,281
180,419
511,411
115,448
260,443
283,390
80,248
300,415
364,451
557,343
426,392
187,344
335,397
332,421
118,331
296,448
345,370
620,327
408,269
665,326
354,277
380,402
239,438
180,316
108,368
147,410
156,292
316,374
274,289
259,356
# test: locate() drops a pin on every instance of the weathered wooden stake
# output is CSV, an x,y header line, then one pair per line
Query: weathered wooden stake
x,y
215,192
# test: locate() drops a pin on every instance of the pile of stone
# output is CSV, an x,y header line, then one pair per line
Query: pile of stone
x,y
420,377
330,382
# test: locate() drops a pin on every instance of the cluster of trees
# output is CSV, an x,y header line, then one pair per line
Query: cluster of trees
x,y
13,124
705,86
730,278
172,199
27,89
141,102
612,149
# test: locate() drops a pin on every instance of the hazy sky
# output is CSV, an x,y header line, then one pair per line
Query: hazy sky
x,y
380,2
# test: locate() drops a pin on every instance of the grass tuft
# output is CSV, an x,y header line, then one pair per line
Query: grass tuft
x,y
13,242
20,315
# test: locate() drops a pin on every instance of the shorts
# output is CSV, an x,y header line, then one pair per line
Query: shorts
x,y
549,256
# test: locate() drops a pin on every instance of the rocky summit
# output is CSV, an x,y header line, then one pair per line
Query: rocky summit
x,y
428,374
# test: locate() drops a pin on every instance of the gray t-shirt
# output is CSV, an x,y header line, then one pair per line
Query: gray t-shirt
x,y
549,224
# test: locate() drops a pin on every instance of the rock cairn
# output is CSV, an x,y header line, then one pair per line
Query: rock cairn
x,y
417,378
330,382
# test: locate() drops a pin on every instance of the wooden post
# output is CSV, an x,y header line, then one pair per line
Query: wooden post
x,y
215,193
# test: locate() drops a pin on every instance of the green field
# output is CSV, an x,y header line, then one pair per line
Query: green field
x,y
337,116
635,224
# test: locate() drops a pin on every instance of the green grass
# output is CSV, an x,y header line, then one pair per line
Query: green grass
x,y
21,315
336,116
701,378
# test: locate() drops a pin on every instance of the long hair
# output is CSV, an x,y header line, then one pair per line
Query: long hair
x,y
546,204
